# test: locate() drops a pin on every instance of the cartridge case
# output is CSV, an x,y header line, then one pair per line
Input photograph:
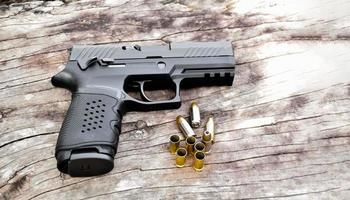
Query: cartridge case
x,y
199,146
180,157
208,145
174,143
184,126
198,161
206,136
207,140
195,115
210,128
190,141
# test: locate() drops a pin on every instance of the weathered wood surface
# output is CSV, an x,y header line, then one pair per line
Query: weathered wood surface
x,y
283,128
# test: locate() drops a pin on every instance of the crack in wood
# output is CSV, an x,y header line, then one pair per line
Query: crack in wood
x,y
24,138
294,177
290,195
16,172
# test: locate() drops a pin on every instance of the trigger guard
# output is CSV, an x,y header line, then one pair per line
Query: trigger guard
x,y
143,94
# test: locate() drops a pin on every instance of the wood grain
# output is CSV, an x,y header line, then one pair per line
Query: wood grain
x,y
283,129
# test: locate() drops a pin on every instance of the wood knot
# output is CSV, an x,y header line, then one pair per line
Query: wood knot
x,y
15,187
140,124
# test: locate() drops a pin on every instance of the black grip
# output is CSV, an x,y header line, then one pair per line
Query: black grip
x,y
89,135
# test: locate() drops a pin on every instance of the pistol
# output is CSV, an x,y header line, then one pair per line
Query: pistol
x,y
108,80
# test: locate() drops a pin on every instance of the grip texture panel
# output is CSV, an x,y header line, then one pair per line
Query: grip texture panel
x,y
88,139
90,120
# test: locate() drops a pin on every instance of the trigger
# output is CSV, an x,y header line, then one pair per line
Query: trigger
x,y
143,94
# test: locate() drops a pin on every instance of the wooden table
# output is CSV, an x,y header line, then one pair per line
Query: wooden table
x,y
283,128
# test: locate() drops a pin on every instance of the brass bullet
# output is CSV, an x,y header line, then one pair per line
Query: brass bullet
x,y
184,127
199,146
209,129
190,141
207,140
206,136
195,115
198,161
180,157
174,143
